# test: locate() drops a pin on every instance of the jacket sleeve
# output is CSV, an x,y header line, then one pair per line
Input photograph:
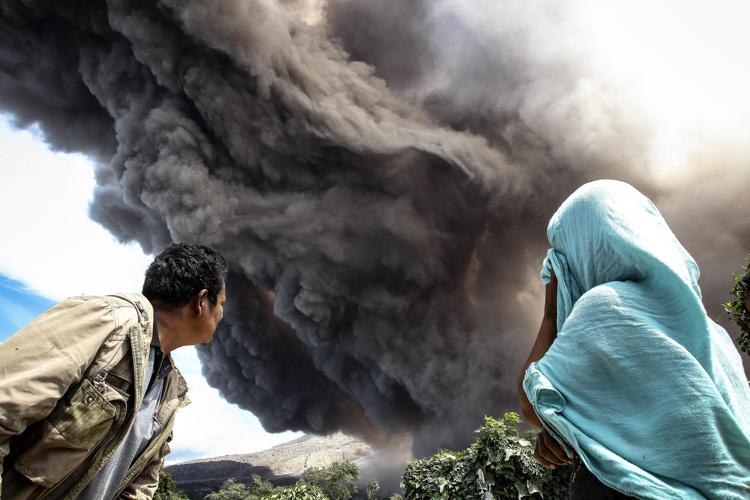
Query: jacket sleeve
x,y
144,485
42,360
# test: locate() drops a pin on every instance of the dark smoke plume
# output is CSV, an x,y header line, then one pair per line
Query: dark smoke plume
x,y
379,174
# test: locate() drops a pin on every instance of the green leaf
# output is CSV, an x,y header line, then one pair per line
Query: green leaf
x,y
502,454
735,308
534,488
442,483
523,490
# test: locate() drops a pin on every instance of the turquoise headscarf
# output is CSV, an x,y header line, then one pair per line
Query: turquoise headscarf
x,y
647,389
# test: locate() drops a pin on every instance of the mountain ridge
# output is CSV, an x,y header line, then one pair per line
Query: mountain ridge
x,y
281,464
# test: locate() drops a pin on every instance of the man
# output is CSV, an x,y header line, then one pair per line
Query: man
x,y
88,391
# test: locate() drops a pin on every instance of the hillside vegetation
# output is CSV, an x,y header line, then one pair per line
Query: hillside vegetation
x,y
499,464
736,309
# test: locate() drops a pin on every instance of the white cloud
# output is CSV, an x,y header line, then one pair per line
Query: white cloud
x,y
49,243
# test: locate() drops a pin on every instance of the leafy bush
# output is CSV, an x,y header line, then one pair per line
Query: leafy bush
x,y
259,487
232,490
737,311
167,489
336,480
300,491
498,465
373,487
264,490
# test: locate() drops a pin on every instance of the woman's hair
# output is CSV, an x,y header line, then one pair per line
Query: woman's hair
x,y
182,270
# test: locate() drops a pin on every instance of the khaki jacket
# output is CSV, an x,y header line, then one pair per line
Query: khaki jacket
x,y
70,384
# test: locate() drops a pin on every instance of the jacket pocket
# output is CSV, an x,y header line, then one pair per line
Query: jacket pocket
x,y
71,432
87,418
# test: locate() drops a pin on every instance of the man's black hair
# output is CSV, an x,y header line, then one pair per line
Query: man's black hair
x,y
182,270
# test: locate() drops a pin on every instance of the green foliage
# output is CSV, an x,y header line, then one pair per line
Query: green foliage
x,y
336,480
232,490
167,489
498,465
300,491
737,311
262,490
258,487
373,487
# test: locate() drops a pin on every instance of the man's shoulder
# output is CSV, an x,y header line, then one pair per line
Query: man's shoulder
x,y
132,301
122,308
131,309
117,299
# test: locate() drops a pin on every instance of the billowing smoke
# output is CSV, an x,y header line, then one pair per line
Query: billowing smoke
x,y
379,174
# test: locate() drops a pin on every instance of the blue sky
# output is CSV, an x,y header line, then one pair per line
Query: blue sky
x,y
50,250
18,306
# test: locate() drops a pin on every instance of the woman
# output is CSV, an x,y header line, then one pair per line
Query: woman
x,y
628,375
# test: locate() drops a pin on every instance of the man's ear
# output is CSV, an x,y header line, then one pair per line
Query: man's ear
x,y
201,303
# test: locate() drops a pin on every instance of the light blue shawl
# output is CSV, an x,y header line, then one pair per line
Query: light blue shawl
x,y
649,391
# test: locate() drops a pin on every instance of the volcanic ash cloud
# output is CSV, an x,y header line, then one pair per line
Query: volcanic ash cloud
x,y
379,177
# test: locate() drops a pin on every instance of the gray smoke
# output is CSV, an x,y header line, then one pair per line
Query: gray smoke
x,y
380,181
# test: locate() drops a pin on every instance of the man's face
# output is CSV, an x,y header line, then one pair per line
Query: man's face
x,y
211,317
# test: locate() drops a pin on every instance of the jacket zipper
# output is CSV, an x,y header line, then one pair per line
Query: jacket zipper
x,y
166,431
151,450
